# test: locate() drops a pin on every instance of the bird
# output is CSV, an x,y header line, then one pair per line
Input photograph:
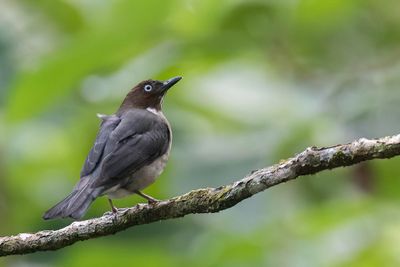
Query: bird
x,y
130,151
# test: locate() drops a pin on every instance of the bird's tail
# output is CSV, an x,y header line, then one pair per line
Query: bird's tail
x,y
75,204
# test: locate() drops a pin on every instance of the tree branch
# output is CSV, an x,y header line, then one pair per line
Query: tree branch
x,y
207,200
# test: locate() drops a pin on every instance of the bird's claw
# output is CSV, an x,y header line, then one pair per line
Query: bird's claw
x,y
153,201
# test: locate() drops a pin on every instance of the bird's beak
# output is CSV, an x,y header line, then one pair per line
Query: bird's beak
x,y
169,83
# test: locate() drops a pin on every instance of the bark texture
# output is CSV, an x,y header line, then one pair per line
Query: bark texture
x,y
207,200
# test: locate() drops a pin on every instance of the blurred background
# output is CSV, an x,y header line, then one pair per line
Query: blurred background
x,y
263,80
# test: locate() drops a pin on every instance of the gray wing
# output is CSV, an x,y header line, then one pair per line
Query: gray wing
x,y
108,125
139,139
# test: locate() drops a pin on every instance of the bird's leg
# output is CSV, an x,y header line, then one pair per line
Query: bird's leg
x,y
113,208
150,199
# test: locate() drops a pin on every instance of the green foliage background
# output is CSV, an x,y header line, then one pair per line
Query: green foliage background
x,y
262,81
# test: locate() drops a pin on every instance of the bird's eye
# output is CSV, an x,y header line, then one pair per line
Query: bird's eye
x,y
148,87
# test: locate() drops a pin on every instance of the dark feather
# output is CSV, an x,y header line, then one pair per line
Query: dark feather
x,y
75,204
139,139
108,124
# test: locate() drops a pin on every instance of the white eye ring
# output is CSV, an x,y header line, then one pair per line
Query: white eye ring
x,y
148,87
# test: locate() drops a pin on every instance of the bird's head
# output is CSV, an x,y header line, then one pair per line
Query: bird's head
x,y
148,94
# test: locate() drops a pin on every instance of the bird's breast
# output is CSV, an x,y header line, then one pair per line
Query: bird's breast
x,y
147,175
140,179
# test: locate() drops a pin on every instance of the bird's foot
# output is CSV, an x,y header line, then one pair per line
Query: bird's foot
x,y
150,200
153,201
114,209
